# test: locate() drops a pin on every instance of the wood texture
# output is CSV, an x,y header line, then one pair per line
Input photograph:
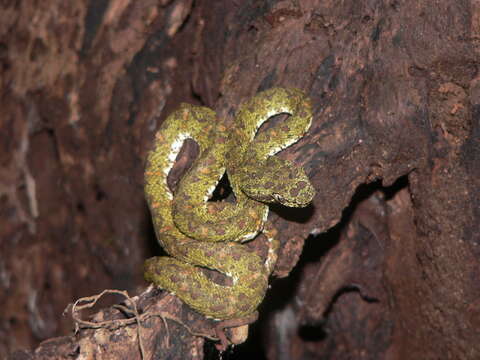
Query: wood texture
x,y
390,261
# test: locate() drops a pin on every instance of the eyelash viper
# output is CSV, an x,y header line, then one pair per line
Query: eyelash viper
x,y
253,173
197,233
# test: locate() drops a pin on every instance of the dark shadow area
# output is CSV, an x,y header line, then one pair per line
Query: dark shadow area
x,y
399,184
152,247
317,332
223,190
298,215
312,333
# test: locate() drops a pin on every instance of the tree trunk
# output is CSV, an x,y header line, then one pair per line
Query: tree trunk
x,y
390,269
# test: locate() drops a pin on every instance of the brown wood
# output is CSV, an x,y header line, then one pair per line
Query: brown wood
x,y
391,245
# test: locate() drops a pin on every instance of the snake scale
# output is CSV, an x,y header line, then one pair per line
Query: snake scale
x,y
199,233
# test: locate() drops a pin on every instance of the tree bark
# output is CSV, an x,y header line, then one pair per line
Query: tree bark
x,y
391,266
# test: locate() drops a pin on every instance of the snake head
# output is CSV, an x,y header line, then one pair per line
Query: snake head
x,y
277,181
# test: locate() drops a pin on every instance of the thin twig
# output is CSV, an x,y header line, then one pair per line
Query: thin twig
x,y
90,301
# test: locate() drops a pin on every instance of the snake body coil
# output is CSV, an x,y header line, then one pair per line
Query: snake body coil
x,y
198,233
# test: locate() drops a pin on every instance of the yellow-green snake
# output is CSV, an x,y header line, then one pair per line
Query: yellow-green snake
x,y
197,233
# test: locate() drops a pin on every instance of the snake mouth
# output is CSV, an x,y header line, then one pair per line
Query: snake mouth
x,y
285,202
278,198
293,203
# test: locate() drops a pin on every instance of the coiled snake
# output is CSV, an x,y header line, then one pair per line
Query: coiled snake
x,y
197,233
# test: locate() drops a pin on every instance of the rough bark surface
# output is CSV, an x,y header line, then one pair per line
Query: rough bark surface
x,y
391,266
